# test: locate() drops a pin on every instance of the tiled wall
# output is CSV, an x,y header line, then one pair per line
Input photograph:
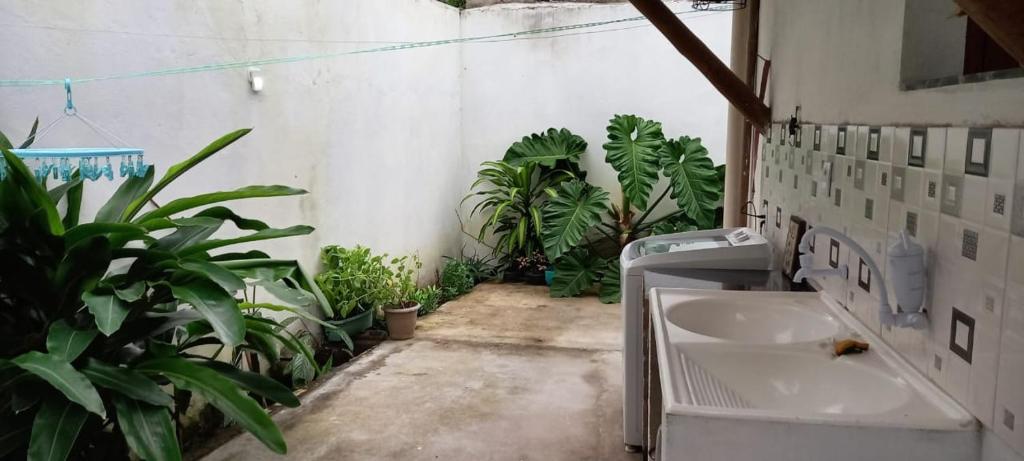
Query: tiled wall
x,y
960,192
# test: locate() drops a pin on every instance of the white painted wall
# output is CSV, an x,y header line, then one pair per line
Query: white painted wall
x,y
513,88
372,137
387,144
840,60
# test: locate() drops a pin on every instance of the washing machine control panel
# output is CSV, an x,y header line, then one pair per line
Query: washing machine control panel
x,y
744,236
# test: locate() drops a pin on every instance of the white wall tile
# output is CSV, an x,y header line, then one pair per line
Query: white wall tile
x,y
969,266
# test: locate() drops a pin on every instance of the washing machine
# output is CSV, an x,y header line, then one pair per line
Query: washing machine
x,y
736,258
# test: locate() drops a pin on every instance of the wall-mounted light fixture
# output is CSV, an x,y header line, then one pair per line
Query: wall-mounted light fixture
x,y
255,80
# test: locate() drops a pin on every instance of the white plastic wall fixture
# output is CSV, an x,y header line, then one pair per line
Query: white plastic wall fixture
x,y
907,273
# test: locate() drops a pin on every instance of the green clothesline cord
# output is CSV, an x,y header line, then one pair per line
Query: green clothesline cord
x,y
312,57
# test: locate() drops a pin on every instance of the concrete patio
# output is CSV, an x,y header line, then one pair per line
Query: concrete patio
x,y
503,373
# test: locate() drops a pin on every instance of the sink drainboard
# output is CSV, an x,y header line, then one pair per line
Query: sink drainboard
x,y
708,391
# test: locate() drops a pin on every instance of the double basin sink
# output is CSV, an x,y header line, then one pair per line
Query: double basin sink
x,y
753,375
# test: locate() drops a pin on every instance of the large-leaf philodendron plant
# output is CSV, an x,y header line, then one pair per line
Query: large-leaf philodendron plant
x,y
585,245
108,327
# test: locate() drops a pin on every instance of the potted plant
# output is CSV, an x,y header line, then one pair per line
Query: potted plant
x,y
354,281
529,268
400,307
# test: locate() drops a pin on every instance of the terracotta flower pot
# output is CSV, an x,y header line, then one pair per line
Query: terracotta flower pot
x,y
401,321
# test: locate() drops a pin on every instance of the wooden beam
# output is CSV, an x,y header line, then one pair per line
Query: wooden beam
x,y
721,77
1003,20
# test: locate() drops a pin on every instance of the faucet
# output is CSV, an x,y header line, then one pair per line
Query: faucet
x,y
887,314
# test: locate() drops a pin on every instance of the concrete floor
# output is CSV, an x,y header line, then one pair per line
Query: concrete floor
x,y
503,373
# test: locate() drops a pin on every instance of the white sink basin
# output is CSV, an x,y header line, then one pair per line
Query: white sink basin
x,y
797,381
754,318
752,376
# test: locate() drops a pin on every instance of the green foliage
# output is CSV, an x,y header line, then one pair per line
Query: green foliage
x,y
513,191
576,272
568,216
429,298
695,183
401,286
584,236
455,3
457,279
353,279
632,150
550,149
100,322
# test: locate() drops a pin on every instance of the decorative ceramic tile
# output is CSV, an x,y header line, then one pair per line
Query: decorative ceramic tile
x,y
999,204
874,142
1017,220
970,245
899,179
911,225
918,147
979,145
841,140
952,194
858,174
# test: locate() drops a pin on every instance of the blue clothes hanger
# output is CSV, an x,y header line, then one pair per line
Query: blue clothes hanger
x,y
58,161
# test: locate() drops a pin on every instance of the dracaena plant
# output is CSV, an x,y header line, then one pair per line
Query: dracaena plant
x,y
512,191
108,327
583,233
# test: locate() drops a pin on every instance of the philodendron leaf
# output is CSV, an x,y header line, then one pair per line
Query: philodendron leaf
x,y
694,180
575,272
222,393
568,217
217,306
126,381
546,149
611,283
108,309
66,342
147,429
55,429
632,150
62,376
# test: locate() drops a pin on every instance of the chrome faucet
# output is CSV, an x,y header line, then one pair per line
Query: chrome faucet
x,y
886,313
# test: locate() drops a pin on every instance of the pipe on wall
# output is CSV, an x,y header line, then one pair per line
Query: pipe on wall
x,y
743,62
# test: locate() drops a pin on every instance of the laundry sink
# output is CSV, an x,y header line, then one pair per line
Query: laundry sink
x,y
750,317
753,376
795,381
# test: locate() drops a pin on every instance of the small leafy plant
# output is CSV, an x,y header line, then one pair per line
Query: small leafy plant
x,y
353,279
103,324
429,298
400,289
456,279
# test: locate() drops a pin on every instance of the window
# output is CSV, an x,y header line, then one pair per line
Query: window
x,y
943,48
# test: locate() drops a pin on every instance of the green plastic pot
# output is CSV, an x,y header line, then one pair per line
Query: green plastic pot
x,y
352,325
